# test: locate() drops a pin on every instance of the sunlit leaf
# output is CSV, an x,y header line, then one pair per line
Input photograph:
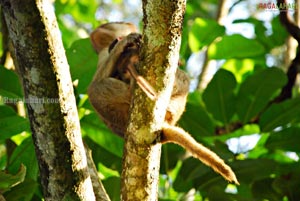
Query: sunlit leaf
x,y
203,32
83,63
239,67
235,46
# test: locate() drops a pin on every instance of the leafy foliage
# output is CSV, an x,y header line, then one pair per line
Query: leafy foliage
x,y
237,102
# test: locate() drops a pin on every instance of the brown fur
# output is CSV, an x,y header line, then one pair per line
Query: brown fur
x,y
110,91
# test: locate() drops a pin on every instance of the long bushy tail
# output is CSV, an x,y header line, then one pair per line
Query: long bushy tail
x,y
179,136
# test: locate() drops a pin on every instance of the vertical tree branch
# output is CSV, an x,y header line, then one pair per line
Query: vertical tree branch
x,y
204,79
41,62
158,63
294,67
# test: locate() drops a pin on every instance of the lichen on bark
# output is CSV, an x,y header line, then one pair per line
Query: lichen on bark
x,y
158,63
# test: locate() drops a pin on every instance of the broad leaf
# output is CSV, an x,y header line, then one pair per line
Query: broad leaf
x,y
171,154
195,119
24,191
191,169
9,180
260,32
9,84
203,32
11,123
112,186
102,156
288,139
241,68
288,184
257,90
25,154
263,190
279,35
99,133
219,96
280,114
249,170
235,46
83,63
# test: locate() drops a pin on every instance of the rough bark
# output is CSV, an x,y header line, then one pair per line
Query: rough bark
x,y
41,62
158,63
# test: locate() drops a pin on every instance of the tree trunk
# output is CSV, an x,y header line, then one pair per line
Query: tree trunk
x,y
41,62
159,61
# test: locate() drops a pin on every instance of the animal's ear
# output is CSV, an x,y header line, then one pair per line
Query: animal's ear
x,y
101,38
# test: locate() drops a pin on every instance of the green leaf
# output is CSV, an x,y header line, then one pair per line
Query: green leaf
x,y
6,111
190,170
280,114
25,154
195,174
10,123
101,155
217,193
239,67
260,31
250,170
195,119
81,10
83,63
279,35
9,84
219,96
171,154
203,32
112,186
9,180
24,191
263,190
288,184
288,139
235,46
256,92
99,133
